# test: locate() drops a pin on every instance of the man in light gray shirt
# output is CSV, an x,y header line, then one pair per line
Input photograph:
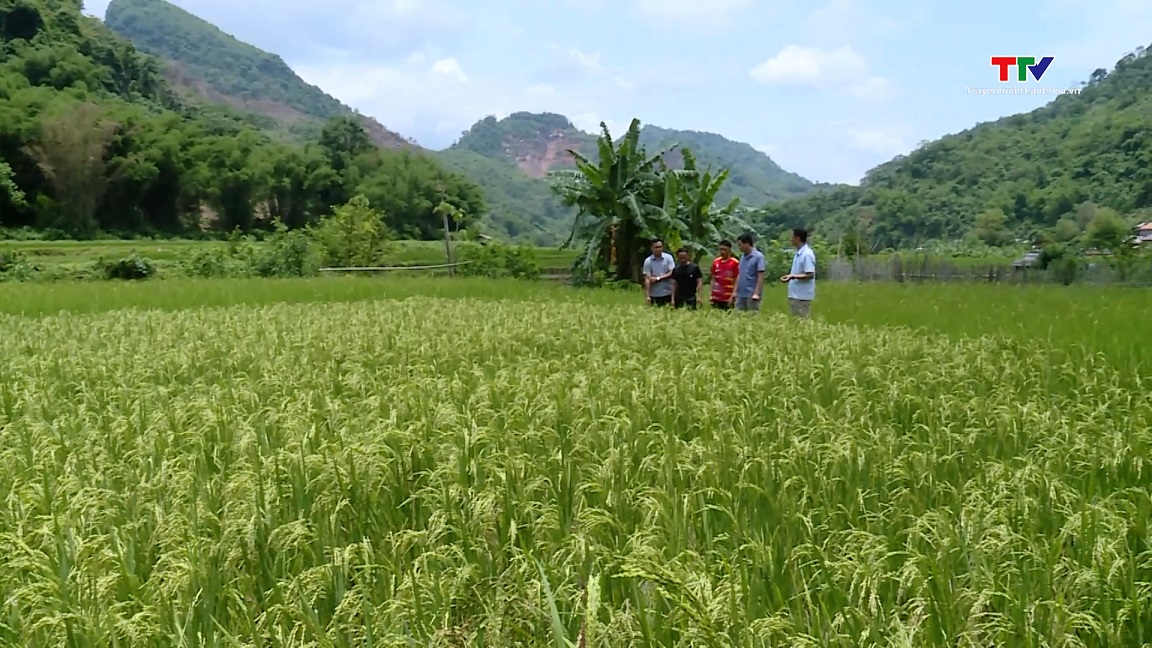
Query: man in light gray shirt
x,y
658,275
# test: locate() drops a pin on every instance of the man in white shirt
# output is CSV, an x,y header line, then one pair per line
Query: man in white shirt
x,y
658,275
802,279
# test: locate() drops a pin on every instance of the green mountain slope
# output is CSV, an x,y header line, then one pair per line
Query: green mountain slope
x,y
753,177
1035,168
538,143
509,157
520,208
207,62
93,140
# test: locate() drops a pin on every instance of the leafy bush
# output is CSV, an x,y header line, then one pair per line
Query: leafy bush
x,y
286,253
130,268
1062,260
282,253
14,266
499,260
353,236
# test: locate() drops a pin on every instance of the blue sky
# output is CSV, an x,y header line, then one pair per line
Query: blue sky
x,y
828,89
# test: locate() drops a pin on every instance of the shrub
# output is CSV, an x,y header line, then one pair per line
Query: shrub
x,y
499,260
353,236
130,268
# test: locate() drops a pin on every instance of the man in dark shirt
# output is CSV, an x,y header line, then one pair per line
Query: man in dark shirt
x,y
686,281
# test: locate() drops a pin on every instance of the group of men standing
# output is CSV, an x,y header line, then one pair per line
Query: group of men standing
x,y
736,283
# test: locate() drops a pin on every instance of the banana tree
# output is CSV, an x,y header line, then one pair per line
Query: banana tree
x,y
614,197
703,223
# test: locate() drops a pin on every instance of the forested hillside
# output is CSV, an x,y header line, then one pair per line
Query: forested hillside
x,y
538,143
509,157
521,208
1024,176
203,60
93,140
753,177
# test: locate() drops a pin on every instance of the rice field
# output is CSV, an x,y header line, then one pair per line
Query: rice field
x,y
453,463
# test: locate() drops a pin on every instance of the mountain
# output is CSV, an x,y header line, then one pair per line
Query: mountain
x,y
93,139
204,61
538,143
1028,175
510,157
753,177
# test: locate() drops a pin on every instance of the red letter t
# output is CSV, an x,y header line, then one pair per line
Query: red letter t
x,y
1003,62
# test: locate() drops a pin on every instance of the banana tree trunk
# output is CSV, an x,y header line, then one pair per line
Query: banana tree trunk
x,y
630,252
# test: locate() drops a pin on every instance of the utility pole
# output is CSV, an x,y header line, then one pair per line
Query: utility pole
x,y
444,208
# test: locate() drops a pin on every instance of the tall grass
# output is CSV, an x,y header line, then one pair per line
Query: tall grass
x,y
478,472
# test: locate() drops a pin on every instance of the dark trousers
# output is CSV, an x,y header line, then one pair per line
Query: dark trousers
x,y
718,305
662,301
686,302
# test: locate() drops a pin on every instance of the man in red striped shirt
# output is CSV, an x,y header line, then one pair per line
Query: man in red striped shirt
x,y
725,269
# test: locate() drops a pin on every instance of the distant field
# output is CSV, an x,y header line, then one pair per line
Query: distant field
x,y
1078,320
81,253
399,461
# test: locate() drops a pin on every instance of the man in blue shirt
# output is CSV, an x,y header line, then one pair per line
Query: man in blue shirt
x,y
750,283
802,279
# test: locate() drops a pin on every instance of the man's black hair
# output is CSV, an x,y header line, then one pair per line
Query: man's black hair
x,y
685,251
801,234
726,243
745,238
655,241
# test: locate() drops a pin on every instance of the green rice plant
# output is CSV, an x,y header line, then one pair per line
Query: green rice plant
x,y
434,471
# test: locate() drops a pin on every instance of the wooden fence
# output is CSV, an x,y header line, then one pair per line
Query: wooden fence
x,y
925,269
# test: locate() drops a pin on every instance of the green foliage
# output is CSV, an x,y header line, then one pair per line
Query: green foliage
x,y
753,177
283,253
497,260
627,196
9,193
353,236
520,208
1036,168
492,138
991,228
131,268
230,66
524,209
93,141
1061,258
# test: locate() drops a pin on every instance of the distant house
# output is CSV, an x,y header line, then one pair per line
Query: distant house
x,y
1144,233
1027,260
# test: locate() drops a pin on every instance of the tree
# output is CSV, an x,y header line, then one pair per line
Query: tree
x,y
991,228
1108,231
353,236
614,198
342,140
70,153
704,223
854,243
8,190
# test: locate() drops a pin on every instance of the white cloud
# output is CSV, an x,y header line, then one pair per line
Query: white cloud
x,y
714,12
882,141
416,97
811,66
590,61
843,69
842,21
589,122
449,67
